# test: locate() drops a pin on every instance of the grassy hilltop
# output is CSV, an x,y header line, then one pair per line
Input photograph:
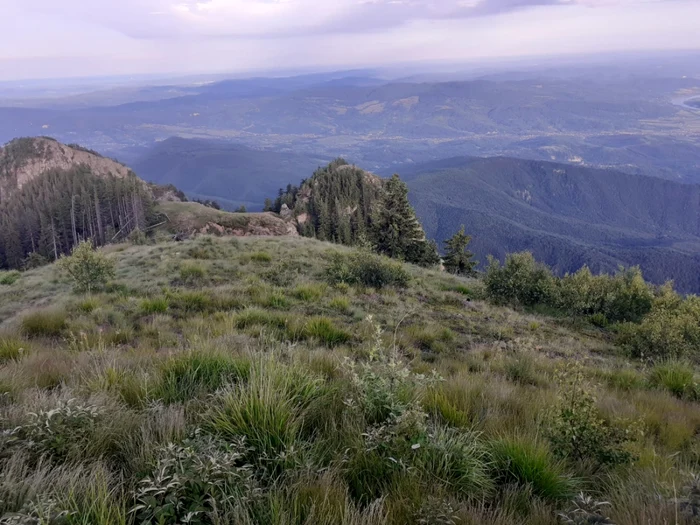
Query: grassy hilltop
x,y
259,380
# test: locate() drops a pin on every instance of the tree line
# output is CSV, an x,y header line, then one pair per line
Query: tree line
x,y
51,214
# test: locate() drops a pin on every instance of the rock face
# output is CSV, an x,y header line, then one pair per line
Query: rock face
x,y
24,159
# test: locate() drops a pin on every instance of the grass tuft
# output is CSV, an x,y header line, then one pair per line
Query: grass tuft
x,y
50,322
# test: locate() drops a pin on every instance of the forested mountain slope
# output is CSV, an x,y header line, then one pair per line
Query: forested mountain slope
x,y
233,174
567,215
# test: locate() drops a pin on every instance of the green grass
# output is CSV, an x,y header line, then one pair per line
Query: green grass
x,y
325,331
675,376
45,323
195,374
8,278
527,463
12,348
332,417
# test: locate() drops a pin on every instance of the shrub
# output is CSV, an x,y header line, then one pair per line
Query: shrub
x,y
575,428
530,463
89,269
45,323
137,237
622,297
34,260
60,432
368,269
670,330
675,376
192,274
11,349
521,280
9,278
193,374
196,482
324,330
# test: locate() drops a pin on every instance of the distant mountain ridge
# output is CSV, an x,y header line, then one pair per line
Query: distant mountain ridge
x,y
24,159
566,215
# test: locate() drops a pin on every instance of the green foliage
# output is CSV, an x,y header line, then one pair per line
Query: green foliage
x,y
267,410
577,431
261,257
192,274
324,330
397,232
9,278
529,463
49,215
34,260
50,322
364,268
458,259
89,268
309,292
60,432
194,374
675,376
155,305
197,482
622,297
521,280
670,330
241,209
11,348
137,237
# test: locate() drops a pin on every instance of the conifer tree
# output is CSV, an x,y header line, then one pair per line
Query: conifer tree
x,y
458,259
397,231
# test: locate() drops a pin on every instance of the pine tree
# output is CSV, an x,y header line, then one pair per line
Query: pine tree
x,y
458,259
397,231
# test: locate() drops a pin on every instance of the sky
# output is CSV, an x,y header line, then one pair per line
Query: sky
x,y
66,38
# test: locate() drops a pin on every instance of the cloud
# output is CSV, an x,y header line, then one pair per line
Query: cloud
x,y
158,19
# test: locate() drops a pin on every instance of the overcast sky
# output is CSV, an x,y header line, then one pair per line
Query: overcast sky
x,y
61,38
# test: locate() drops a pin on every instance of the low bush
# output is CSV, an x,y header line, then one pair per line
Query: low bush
x,y
624,296
671,330
203,481
367,269
45,323
575,428
521,280
59,433
89,268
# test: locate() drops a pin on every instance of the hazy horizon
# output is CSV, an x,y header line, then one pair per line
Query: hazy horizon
x,y
41,39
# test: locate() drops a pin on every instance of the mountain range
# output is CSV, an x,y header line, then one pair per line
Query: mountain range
x,y
566,215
